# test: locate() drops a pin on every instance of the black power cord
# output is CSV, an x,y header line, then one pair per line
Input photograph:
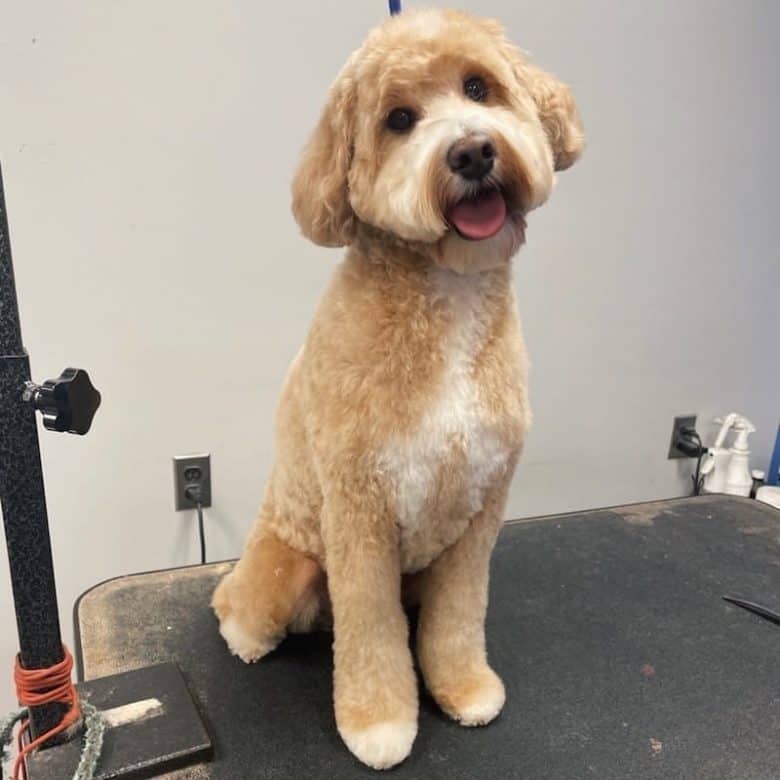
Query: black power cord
x,y
193,493
697,480
690,443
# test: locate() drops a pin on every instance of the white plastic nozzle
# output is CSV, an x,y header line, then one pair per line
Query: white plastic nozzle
x,y
743,428
726,423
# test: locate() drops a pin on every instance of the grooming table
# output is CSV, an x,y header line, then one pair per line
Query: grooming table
x,y
619,657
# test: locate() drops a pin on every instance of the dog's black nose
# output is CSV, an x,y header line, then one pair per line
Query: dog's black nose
x,y
472,157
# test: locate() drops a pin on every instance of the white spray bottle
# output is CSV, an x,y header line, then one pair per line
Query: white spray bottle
x,y
728,470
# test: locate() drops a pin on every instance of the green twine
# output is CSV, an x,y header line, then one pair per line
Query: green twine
x,y
94,731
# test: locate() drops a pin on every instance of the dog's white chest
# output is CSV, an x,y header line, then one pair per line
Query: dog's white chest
x,y
455,434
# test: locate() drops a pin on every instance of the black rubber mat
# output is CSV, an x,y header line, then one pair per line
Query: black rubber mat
x,y
620,658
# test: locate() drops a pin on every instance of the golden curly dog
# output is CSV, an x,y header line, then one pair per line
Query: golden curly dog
x,y
403,416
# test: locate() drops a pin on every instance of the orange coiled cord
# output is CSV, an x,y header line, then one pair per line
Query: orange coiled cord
x,y
35,687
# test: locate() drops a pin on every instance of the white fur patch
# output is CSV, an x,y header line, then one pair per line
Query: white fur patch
x,y
382,745
483,709
242,644
454,416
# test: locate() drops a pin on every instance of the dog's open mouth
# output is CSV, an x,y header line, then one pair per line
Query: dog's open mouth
x,y
479,217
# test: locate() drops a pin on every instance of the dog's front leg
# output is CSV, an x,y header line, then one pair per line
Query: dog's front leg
x,y
451,629
374,684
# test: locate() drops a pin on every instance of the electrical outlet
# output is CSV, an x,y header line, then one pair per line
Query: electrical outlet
x,y
680,422
191,471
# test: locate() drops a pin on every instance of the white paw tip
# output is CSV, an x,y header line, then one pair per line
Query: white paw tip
x,y
483,708
240,643
382,745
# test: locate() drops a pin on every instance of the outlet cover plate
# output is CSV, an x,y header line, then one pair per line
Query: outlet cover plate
x,y
679,422
182,464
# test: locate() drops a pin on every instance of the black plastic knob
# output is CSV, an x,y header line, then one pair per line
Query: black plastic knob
x,y
67,403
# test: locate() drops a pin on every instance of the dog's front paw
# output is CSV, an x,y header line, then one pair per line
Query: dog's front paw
x,y
473,699
240,642
247,635
376,703
380,745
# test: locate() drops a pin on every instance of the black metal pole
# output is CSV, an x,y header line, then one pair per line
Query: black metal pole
x,y
23,497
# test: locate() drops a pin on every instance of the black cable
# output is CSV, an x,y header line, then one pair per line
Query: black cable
x,y
697,481
202,534
193,493
689,442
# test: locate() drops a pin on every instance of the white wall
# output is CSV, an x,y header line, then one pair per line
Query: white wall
x,y
148,148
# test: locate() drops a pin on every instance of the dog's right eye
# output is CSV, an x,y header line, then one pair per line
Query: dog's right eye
x,y
401,120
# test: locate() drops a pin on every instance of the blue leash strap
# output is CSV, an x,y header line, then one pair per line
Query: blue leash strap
x,y
395,7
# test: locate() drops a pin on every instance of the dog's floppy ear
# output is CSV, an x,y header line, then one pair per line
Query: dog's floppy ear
x,y
558,113
320,187
553,99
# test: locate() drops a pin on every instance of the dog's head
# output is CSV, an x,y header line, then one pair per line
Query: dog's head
x,y
439,132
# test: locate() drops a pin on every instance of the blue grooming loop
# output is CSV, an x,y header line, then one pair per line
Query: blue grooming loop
x,y
395,7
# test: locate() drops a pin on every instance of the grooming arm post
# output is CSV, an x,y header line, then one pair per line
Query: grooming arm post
x,y
23,498
177,736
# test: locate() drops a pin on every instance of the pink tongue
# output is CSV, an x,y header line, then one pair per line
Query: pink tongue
x,y
480,218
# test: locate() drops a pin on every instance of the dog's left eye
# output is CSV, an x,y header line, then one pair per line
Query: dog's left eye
x,y
475,89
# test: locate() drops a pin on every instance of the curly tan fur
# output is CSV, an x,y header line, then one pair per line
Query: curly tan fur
x,y
403,416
